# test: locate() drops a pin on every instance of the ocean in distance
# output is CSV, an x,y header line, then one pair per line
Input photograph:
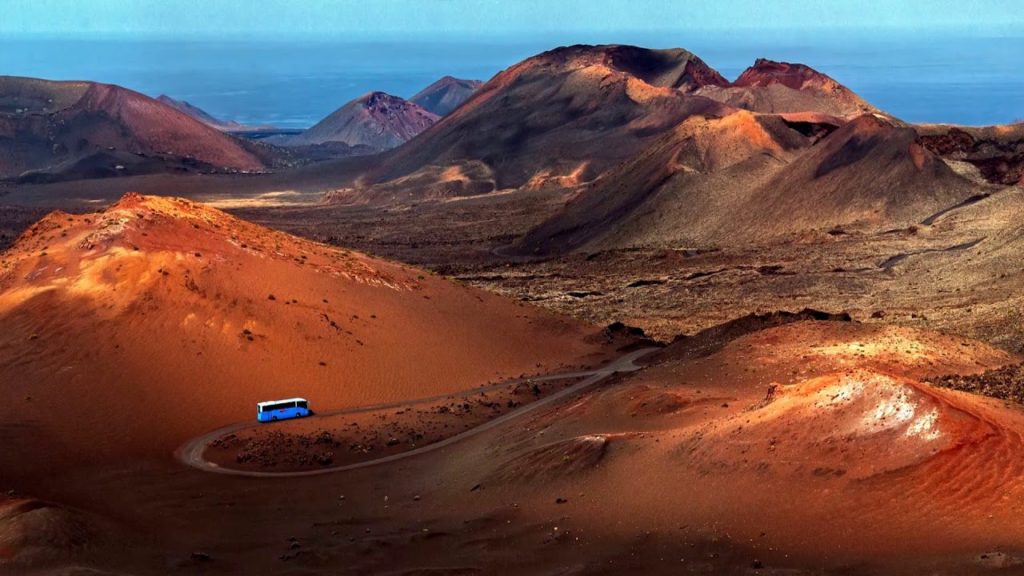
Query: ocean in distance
x,y
963,78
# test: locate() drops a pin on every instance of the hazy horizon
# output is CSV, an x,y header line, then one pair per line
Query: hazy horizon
x,y
291,67
923,78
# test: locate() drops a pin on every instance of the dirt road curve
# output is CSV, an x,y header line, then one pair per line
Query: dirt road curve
x,y
192,452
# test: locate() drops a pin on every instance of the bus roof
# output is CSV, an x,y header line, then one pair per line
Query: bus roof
x,y
269,402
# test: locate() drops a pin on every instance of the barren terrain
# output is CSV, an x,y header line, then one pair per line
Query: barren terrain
x,y
835,297
759,424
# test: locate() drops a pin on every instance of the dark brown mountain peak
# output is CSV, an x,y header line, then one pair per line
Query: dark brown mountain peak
x,y
766,72
668,68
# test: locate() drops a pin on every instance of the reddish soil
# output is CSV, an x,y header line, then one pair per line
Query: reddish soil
x,y
165,294
712,459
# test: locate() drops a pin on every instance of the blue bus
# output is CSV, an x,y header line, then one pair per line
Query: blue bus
x,y
282,409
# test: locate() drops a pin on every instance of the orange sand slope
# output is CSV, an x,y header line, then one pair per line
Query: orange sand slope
x,y
814,440
805,448
136,328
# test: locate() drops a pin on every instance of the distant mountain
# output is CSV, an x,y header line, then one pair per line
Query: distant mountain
x,y
376,119
749,177
679,188
446,94
568,115
779,87
46,125
572,112
206,118
870,172
657,148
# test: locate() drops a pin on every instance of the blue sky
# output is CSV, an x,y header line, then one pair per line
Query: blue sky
x,y
338,18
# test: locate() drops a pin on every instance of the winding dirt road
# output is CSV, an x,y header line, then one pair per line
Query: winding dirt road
x,y
192,452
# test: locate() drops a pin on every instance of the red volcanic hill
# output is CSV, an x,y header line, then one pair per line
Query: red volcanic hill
x,y
781,87
80,127
572,111
376,119
567,116
749,177
446,94
684,181
870,172
766,73
131,330
811,436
